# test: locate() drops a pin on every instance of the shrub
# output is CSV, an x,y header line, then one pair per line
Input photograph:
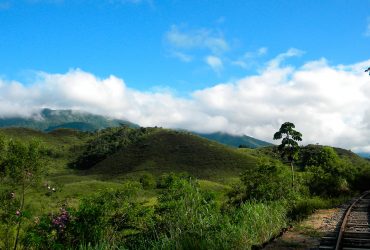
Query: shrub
x,y
148,181
328,175
269,181
110,216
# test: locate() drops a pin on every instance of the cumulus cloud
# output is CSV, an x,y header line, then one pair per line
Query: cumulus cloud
x,y
329,104
215,63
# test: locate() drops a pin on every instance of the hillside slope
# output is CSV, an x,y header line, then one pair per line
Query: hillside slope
x,y
172,151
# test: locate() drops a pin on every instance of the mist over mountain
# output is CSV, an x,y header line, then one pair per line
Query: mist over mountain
x,y
49,119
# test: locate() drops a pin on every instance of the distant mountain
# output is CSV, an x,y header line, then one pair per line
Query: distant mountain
x,y
235,140
48,120
364,155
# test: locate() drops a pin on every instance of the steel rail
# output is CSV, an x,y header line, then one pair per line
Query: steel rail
x,y
345,220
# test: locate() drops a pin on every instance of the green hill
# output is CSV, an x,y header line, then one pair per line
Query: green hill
x,y
235,140
49,119
155,151
160,150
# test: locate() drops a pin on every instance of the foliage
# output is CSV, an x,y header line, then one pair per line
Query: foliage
x,y
302,207
177,213
21,168
289,146
328,174
269,181
167,179
9,205
148,181
362,179
189,218
185,217
109,215
107,142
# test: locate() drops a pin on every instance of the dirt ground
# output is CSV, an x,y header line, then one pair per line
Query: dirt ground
x,y
307,234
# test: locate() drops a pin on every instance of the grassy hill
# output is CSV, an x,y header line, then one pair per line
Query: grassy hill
x,y
168,150
157,152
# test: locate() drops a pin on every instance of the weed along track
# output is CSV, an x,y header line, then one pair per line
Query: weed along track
x,y
354,230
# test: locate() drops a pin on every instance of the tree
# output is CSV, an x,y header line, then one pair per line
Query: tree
x,y
289,146
20,168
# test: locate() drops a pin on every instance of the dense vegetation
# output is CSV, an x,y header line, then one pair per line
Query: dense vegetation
x,y
125,188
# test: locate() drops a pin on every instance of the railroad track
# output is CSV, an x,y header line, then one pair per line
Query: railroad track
x,y
354,231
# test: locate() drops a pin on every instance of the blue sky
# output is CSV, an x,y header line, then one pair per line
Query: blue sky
x,y
131,38
241,67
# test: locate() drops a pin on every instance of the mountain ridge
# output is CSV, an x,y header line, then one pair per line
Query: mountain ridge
x,y
48,120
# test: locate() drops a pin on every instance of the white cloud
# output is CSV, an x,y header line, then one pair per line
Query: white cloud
x,y
328,104
200,42
196,39
182,56
249,59
215,63
262,51
292,52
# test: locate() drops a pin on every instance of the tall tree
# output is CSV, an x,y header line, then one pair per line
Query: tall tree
x,y
289,147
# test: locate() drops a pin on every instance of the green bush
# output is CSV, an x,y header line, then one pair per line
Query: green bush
x,y
269,181
110,216
328,174
148,181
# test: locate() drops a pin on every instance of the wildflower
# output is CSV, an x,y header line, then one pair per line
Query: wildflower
x,y
17,213
53,189
12,195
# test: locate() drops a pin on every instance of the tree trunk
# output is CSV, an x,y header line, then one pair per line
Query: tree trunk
x,y
20,218
291,165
